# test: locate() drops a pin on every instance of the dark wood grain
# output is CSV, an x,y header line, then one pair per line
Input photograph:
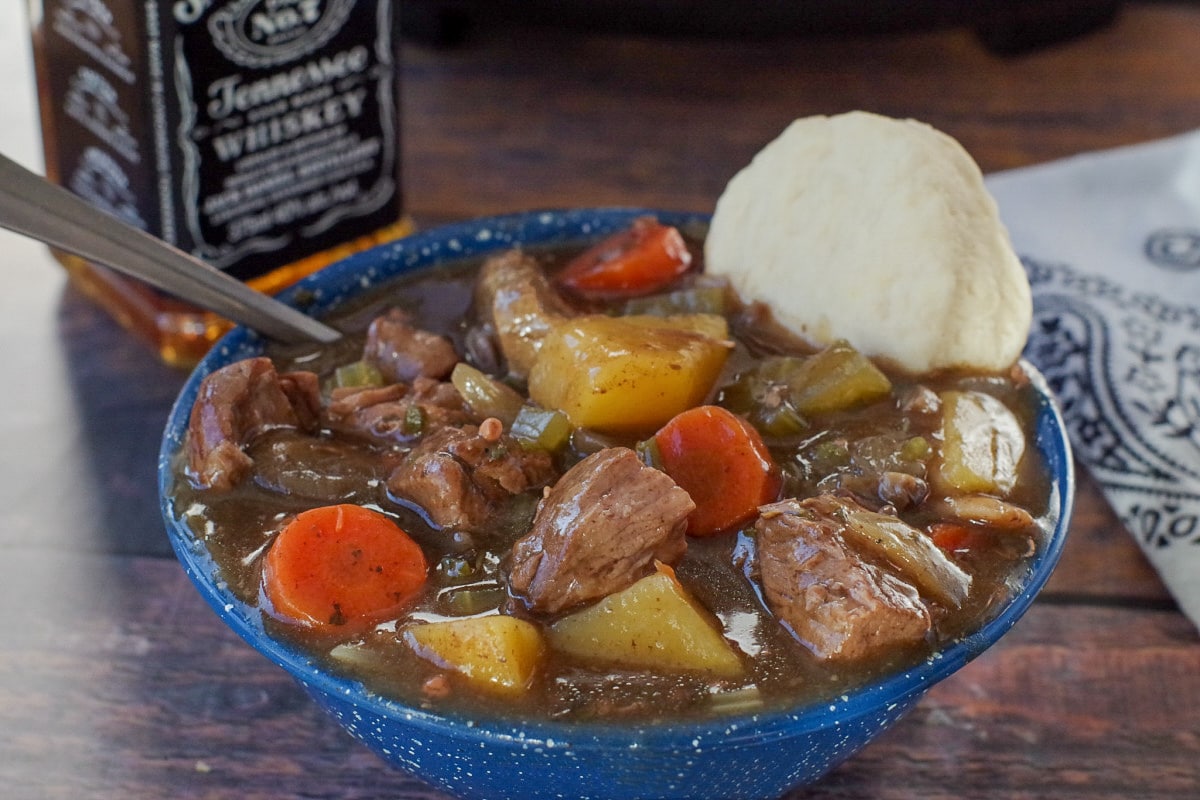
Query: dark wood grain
x,y
1107,713
116,681
532,118
128,686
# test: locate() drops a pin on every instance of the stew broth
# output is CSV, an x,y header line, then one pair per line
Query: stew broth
x,y
837,452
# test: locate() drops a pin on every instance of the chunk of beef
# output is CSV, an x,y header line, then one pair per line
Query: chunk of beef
x,y
458,477
303,391
598,530
403,352
237,403
396,412
841,606
515,297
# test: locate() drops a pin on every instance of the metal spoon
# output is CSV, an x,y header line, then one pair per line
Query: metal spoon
x,y
32,206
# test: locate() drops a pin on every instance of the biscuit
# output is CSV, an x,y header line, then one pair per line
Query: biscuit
x,y
878,231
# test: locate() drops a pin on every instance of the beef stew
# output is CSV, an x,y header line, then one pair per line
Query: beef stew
x,y
872,516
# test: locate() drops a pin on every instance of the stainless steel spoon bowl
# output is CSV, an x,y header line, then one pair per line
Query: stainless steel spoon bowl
x,y
32,206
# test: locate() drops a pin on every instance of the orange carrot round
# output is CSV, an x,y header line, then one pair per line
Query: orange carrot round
x,y
721,461
951,537
342,565
642,259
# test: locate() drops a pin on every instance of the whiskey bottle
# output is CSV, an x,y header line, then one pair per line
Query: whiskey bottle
x,y
262,136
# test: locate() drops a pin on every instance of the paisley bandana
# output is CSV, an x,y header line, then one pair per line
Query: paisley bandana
x,y
1111,242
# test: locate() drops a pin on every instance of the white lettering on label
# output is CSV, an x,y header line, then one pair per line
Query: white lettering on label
x,y
229,95
290,125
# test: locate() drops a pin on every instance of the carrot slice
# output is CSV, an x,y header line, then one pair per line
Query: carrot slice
x,y
721,461
342,565
646,257
950,537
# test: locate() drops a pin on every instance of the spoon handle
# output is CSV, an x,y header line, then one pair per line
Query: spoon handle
x,y
32,206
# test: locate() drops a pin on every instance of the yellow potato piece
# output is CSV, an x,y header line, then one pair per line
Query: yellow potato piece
x,y
653,624
628,374
983,444
497,653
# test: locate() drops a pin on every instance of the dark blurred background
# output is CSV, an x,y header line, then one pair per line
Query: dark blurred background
x,y
1004,26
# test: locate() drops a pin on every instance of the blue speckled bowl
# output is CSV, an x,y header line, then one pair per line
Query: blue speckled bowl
x,y
750,756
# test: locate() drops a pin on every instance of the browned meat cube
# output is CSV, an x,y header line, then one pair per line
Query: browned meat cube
x,y
598,530
458,477
235,404
396,412
841,606
403,352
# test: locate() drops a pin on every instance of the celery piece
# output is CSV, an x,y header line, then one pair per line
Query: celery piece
x,y
779,370
484,395
648,452
890,451
457,566
738,396
414,420
761,395
916,448
538,428
779,419
699,299
474,599
828,456
836,379
357,374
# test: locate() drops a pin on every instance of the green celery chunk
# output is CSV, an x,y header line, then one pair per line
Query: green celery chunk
x,y
762,395
648,452
414,420
473,599
357,374
538,428
916,448
836,379
701,298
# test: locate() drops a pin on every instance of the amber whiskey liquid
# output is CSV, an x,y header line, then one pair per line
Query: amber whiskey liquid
x,y
259,135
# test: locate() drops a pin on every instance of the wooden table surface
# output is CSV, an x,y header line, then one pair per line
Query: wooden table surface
x,y
116,681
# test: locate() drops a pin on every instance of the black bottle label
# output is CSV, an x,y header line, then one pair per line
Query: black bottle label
x,y
251,133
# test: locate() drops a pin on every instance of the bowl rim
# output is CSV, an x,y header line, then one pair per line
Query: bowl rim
x,y
488,234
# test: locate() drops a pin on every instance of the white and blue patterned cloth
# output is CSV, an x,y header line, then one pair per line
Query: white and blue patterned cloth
x,y
1111,241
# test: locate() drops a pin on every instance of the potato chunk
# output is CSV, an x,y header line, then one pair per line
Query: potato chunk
x,y
498,654
983,444
628,374
652,624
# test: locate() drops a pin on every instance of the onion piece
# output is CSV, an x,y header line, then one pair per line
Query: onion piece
x,y
908,549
